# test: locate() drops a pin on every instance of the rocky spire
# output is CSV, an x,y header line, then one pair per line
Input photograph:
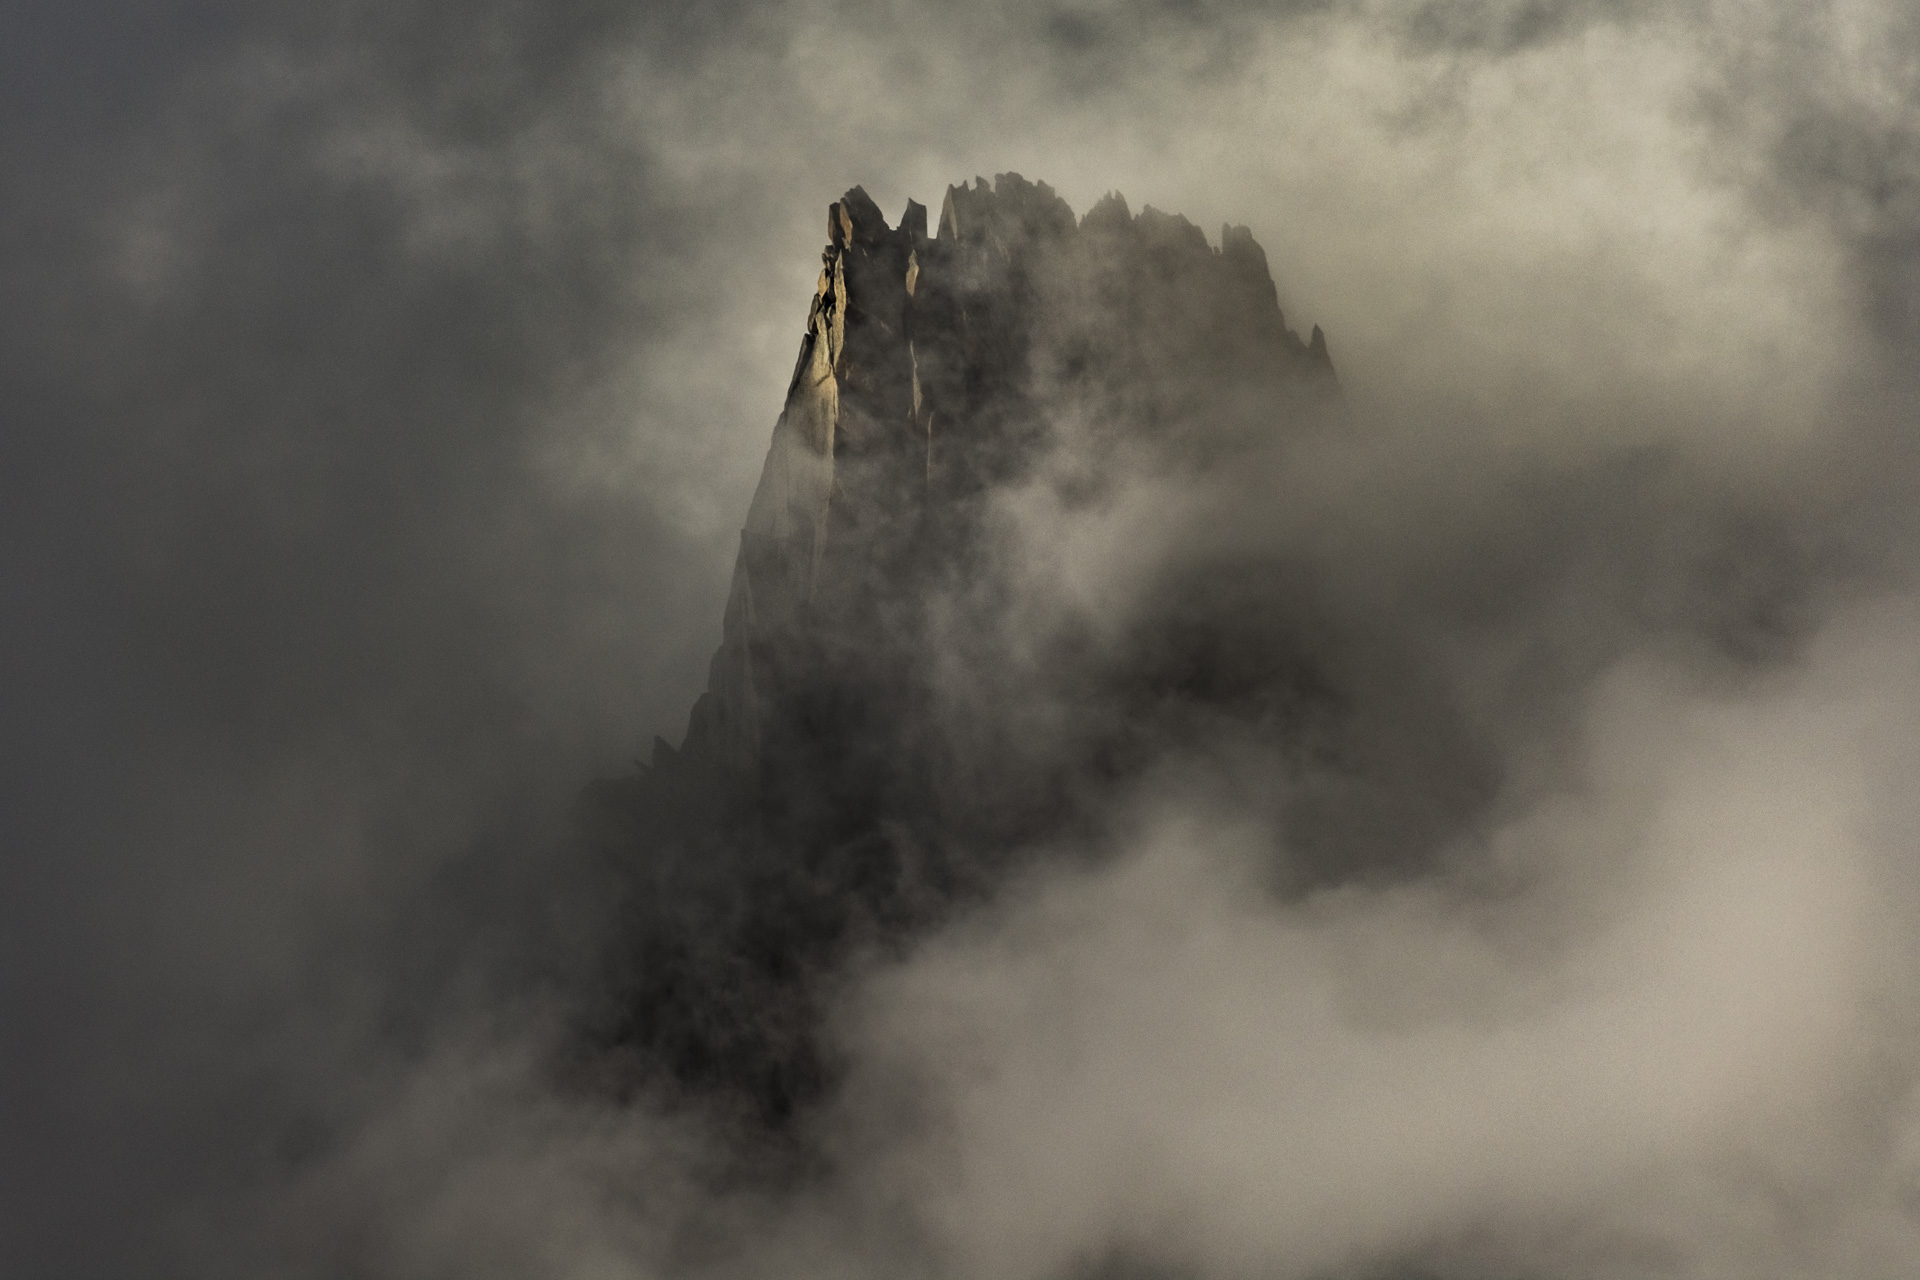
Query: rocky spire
x,y
933,369
866,752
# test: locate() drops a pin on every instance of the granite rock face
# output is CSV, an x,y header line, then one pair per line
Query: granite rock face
x,y
868,752
934,369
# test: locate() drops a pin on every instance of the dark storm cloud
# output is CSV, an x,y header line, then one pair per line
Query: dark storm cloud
x,y
382,386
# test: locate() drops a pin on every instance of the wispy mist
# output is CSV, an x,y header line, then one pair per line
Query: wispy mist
x,y
383,391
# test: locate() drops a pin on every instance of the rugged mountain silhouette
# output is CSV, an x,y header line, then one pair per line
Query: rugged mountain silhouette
x,y
931,372
882,732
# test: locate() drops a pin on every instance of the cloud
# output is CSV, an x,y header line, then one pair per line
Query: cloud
x,y
1647,1017
384,390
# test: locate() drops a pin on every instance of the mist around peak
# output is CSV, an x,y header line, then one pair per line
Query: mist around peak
x,y
1462,834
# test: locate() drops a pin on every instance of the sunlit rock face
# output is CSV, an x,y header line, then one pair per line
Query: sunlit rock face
x,y
886,725
935,370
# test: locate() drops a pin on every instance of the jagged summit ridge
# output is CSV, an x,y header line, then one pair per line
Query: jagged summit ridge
x,y
934,368
868,753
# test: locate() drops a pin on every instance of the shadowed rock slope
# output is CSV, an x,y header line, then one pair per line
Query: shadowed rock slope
x,y
883,731
933,370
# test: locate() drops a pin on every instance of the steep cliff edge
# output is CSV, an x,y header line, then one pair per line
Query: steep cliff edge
x,y
868,752
933,369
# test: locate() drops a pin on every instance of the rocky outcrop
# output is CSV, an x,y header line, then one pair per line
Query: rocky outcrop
x,y
934,368
863,757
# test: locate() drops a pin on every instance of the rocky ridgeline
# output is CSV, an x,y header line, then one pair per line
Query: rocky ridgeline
x,y
934,368
861,758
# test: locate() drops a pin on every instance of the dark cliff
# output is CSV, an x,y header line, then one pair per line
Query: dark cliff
x,y
867,753
934,369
